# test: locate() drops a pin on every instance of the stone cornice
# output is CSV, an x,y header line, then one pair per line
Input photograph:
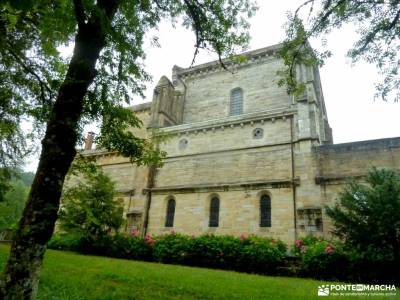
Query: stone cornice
x,y
368,145
337,179
226,186
231,122
254,56
141,106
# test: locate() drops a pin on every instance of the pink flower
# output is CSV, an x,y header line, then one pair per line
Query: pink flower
x,y
221,253
173,232
329,249
149,240
298,243
243,237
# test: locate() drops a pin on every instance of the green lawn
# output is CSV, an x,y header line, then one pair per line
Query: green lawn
x,y
71,276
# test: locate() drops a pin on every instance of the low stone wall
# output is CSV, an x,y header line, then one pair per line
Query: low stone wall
x,y
336,162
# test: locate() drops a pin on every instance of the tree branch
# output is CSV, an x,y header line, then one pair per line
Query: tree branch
x,y
198,17
79,13
43,86
302,5
196,26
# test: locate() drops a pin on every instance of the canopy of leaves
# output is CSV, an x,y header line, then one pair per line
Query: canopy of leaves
x,y
32,67
91,208
367,216
14,198
377,23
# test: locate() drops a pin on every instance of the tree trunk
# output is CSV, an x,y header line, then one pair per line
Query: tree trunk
x,y
21,276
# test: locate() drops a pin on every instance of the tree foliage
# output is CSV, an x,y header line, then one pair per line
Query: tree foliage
x,y
61,95
32,34
90,208
367,216
378,27
14,200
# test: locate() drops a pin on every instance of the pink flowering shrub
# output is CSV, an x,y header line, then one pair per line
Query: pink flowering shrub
x,y
149,240
245,253
243,237
298,243
320,258
262,255
301,245
214,251
171,248
329,249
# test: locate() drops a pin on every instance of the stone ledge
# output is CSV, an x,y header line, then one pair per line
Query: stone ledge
x,y
367,145
336,178
130,192
252,56
229,186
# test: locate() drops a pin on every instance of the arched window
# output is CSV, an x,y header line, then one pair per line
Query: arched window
x,y
236,104
214,212
169,220
265,211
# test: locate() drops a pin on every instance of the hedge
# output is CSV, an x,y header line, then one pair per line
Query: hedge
x,y
313,257
250,254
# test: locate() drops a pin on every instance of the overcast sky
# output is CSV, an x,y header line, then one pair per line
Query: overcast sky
x,y
348,90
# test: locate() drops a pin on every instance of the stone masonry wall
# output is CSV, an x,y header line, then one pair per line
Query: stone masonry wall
x,y
208,95
229,155
353,159
337,164
214,154
239,213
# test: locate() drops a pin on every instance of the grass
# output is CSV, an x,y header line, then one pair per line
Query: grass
x,y
68,275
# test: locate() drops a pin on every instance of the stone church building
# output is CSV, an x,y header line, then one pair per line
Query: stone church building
x,y
243,157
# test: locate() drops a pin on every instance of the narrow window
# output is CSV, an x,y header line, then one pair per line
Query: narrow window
x,y
214,212
236,104
169,220
265,211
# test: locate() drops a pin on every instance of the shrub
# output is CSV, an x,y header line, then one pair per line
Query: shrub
x,y
324,260
119,246
364,268
334,260
129,247
367,216
215,251
91,207
261,255
170,248
70,241
250,254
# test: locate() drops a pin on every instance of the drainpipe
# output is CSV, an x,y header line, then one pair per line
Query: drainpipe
x,y
150,185
129,208
293,177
